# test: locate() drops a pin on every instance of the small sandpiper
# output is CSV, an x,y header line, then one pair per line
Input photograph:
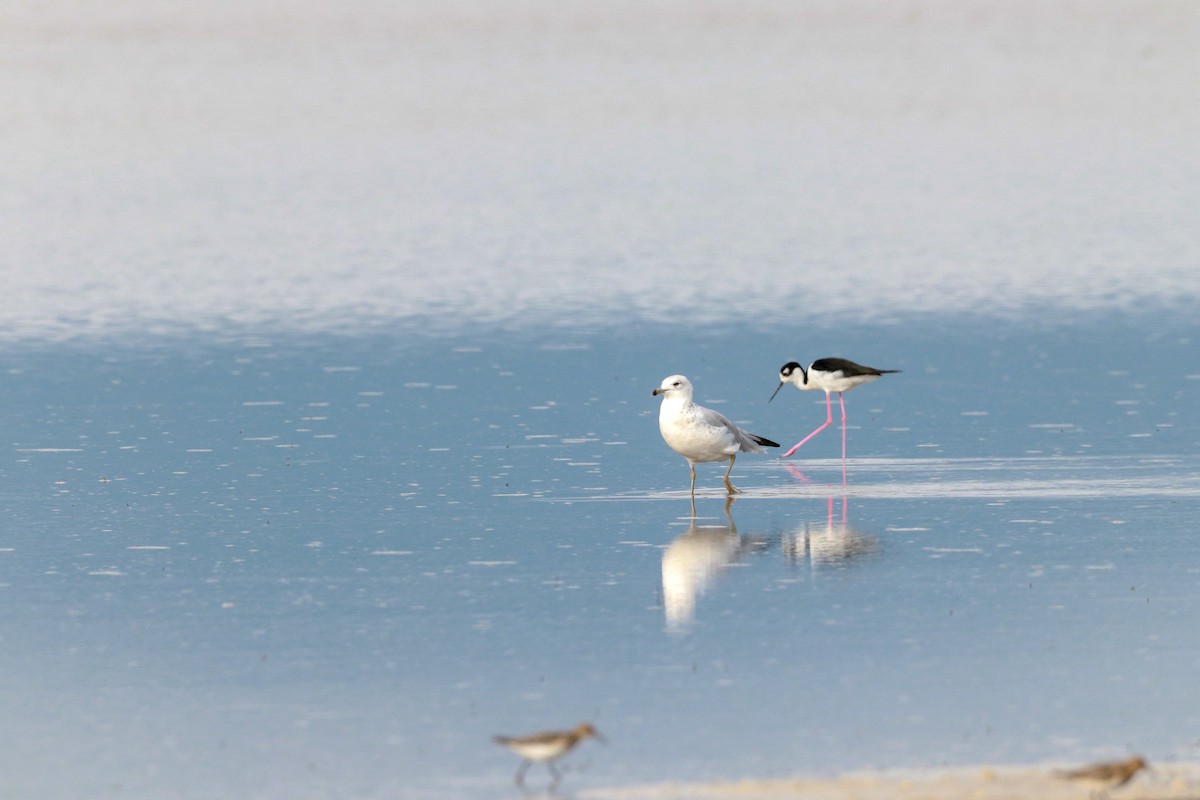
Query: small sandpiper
x,y
546,747
1105,775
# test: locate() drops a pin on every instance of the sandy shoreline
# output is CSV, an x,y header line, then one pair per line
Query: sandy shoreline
x,y
1173,781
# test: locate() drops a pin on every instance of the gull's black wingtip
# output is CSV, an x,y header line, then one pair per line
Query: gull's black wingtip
x,y
764,442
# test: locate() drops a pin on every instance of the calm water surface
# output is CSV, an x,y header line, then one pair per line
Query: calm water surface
x,y
321,566
328,335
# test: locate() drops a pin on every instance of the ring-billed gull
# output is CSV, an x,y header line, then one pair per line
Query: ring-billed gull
x,y
700,434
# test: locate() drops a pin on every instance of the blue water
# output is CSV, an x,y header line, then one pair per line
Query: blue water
x,y
328,339
313,566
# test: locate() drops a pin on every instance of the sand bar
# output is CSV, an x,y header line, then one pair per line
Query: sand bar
x,y
1174,781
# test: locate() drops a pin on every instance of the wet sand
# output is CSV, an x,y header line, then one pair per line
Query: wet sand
x,y
1174,781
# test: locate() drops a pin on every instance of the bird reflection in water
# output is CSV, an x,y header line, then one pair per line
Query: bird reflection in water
x,y
694,560
831,543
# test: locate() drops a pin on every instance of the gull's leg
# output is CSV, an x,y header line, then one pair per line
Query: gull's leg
x,y
693,468
828,422
732,489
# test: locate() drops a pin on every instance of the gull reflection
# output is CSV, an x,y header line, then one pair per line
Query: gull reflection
x,y
694,560
829,543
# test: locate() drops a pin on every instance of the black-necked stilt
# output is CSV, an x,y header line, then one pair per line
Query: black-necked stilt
x,y
829,375
546,747
700,434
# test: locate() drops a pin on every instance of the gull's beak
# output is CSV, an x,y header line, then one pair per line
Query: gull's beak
x,y
777,388
657,392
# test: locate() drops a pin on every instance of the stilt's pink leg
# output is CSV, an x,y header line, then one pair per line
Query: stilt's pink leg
x,y
798,475
842,402
829,518
828,422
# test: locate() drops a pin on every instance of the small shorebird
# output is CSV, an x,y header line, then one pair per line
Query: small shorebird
x,y
700,434
546,747
1106,775
829,375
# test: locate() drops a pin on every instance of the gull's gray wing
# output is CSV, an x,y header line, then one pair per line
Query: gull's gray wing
x,y
746,442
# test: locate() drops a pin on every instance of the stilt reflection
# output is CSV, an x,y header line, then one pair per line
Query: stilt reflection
x,y
833,542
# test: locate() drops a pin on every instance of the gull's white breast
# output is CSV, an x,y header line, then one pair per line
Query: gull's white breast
x,y
696,433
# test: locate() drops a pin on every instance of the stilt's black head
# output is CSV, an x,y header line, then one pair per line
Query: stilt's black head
x,y
785,376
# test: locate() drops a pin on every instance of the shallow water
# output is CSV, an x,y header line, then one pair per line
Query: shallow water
x,y
329,335
330,564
